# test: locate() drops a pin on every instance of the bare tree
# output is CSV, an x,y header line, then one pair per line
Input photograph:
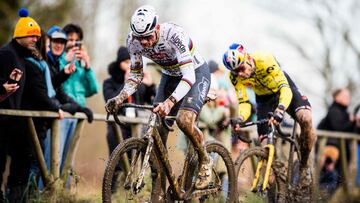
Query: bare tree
x,y
334,22
37,9
127,8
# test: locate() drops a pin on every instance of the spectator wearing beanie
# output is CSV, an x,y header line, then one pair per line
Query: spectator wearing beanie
x,y
13,139
119,71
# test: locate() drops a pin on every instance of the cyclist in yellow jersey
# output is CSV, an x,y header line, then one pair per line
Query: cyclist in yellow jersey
x,y
275,92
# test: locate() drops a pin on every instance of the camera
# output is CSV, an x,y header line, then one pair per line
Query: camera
x,y
78,44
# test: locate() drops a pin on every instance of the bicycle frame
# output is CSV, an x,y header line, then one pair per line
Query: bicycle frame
x,y
271,149
153,139
270,146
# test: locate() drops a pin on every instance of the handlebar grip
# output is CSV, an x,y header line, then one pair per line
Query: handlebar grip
x,y
234,121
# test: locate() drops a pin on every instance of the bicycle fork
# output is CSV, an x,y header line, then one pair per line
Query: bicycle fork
x,y
139,182
271,150
145,165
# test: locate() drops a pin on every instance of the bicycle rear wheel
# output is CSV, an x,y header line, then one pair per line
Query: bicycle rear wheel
x,y
223,177
245,167
122,171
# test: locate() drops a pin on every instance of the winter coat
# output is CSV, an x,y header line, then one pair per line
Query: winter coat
x,y
337,119
81,84
12,56
35,94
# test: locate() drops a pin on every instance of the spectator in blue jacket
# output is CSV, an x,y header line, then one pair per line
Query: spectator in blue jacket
x,y
81,84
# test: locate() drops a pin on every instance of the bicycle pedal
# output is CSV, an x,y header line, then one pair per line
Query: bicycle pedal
x,y
211,185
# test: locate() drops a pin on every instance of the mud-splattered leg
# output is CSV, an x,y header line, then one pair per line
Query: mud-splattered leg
x,y
307,140
307,137
186,122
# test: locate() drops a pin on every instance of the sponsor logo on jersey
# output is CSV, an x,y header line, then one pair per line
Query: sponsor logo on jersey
x,y
189,100
270,69
203,88
178,43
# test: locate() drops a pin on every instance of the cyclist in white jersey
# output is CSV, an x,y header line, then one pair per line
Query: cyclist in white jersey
x,y
185,79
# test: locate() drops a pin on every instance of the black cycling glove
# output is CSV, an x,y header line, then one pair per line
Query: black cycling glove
x,y
70,108
88,113
279,113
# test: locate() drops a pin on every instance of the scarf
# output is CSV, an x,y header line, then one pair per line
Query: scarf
x,y
42,65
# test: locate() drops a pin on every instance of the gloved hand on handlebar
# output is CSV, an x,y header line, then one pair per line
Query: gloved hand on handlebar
x,y
112,105
278,115
164,108
235,124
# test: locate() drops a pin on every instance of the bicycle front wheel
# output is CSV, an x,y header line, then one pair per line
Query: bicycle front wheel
x,y
120,183
223,177
246,166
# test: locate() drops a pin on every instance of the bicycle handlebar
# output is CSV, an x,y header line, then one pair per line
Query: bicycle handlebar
x,y
234,121
138,106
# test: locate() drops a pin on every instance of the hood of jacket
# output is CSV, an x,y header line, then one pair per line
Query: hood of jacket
x,y
116,73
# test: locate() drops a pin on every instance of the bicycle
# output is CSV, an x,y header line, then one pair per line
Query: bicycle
x,y
263,174
144,159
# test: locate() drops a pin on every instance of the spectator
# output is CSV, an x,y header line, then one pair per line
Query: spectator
x,y
338,119
39,83
328,175
119,71
13,140
57,41
81,84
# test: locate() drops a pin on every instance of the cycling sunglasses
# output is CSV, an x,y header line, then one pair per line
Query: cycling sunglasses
x,y
147,38
241,67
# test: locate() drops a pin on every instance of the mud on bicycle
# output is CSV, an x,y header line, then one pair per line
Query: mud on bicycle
x,y
264,174
145,167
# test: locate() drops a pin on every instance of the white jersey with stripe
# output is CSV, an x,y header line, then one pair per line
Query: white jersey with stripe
x,y
173,50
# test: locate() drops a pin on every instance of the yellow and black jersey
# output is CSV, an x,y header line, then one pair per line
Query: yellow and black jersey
x,y
268,79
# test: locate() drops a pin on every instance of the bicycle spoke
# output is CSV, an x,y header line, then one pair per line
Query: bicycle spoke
x,y
119,185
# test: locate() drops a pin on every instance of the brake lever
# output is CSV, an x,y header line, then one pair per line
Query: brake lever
x,y
116,118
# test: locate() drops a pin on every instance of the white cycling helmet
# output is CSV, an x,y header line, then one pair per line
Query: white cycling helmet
x,y
144,21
